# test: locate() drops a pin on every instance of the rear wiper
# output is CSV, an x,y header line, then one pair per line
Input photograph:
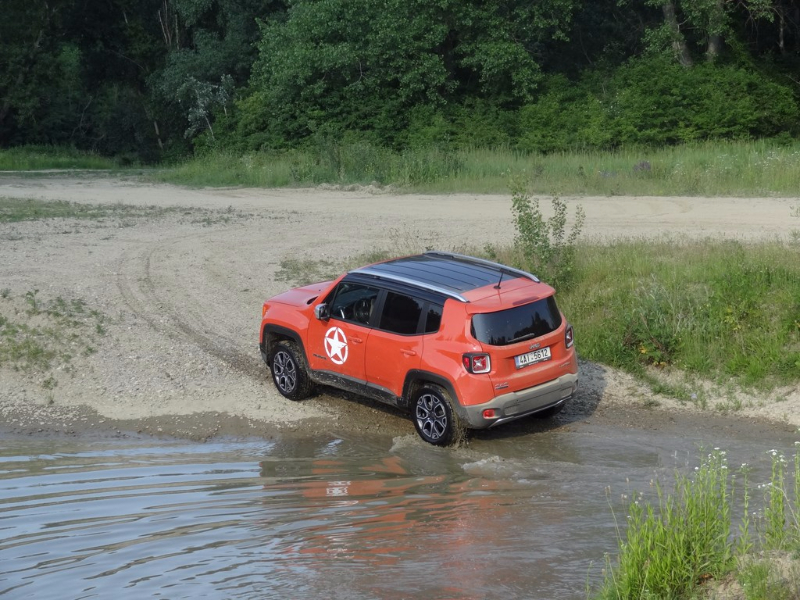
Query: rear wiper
x,y
522,338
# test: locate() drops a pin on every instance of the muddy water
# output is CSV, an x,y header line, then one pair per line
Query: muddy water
x,y
387,518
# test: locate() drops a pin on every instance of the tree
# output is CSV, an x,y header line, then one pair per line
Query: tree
x,y
365,65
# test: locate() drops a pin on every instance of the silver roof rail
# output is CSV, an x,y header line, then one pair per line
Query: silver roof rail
x,y
416,283
486,263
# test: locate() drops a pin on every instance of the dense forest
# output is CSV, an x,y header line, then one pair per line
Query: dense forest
x,y
154,80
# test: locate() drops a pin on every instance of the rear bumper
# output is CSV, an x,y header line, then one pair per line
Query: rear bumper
x,y
516,405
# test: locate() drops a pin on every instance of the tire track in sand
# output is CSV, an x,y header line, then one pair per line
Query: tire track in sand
x,y
136,283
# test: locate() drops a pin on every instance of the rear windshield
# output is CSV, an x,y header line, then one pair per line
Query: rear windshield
x,y
517,324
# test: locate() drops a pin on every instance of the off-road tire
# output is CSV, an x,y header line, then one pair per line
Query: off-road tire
x,y
289,371
434,418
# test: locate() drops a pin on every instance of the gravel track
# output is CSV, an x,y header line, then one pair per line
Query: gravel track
x,y
182,291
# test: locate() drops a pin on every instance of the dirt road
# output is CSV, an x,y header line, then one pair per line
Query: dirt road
x,y
181,289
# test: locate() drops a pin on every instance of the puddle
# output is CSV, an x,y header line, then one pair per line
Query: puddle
x,y
327,517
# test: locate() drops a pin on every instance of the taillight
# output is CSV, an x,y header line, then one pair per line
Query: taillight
x,y
569,336
477,363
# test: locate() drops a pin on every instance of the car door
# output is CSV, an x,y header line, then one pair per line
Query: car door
x,y
338,344
395,345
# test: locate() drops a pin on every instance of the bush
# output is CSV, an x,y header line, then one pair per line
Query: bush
x,y
544,246
653,101
568,116
659,102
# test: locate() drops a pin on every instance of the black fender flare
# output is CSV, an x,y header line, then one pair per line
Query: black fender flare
x,y
419,376
271,331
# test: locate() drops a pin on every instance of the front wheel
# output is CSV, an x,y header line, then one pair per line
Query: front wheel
x,y
434,418
289,371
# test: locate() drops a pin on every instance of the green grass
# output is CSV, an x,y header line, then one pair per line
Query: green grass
x,y
14,210
34,158
753,168
37,335
673,543
720,310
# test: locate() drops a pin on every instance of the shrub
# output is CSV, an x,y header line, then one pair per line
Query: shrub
x,y
544,245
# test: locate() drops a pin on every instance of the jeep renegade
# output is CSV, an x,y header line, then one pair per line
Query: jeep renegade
x,y
459,342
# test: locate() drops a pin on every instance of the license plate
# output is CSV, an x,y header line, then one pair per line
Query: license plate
x,y
537,356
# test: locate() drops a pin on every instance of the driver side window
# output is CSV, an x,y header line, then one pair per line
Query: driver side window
x,y
354,302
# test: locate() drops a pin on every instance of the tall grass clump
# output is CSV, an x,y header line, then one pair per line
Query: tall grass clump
x,y
741,168
35,158
351,164
718,309
670,546
677,541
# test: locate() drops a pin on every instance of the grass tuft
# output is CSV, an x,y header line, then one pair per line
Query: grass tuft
x,y
34,158
36,335
677,542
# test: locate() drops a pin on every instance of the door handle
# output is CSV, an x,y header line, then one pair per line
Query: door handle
x,y
408,352
356,340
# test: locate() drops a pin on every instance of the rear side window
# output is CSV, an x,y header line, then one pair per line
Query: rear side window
x,y
433,320
401,313
517,324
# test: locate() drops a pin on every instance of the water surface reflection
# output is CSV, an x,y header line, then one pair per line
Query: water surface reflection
x,y
321,517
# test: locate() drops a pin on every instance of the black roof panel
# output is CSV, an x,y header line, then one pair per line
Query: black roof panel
x,y
448,273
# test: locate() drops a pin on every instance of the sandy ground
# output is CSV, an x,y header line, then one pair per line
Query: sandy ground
x,y
182,292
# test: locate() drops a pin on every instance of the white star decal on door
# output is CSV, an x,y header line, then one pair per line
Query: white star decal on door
x,y
336,345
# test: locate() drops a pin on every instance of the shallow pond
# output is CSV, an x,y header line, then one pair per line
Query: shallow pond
x,y
328,517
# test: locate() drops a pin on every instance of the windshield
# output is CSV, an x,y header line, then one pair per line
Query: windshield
x,y
517,324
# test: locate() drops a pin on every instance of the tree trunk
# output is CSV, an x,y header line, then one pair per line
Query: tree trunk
x,y
678,42
715,27
21,76
714,47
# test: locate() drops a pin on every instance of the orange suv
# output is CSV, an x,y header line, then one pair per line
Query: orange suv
x,y
459,342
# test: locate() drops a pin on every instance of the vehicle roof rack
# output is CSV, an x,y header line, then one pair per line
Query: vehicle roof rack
x,y
371,271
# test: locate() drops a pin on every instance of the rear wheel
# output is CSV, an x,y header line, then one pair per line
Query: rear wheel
x,y
289,371
434,418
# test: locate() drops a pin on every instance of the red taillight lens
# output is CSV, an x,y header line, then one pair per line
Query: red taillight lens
x,y
569,337
477,363
480,364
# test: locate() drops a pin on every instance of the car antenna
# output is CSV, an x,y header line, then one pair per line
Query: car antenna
x,y
497,287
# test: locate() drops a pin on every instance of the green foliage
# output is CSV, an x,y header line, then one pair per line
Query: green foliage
x,y
654,101
759,582
667,550
676,542
567,116
718,310
711,169
32,158
156,80
544,246
658,102
369,65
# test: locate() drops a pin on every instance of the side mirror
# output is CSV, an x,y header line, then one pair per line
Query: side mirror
x,y
322,312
